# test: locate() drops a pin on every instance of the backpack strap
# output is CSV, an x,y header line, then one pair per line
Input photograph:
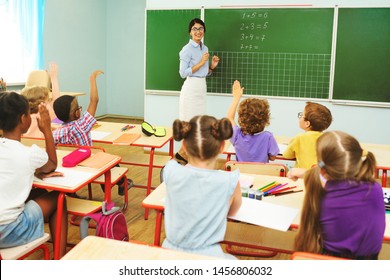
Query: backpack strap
x,y
109,208
84,223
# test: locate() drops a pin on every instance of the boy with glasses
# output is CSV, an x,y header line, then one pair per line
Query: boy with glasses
x,y
77,126
313,120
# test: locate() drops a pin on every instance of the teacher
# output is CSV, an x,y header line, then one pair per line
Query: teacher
x,y
194,68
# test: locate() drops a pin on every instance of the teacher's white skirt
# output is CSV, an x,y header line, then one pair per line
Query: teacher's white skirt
x,y
192,98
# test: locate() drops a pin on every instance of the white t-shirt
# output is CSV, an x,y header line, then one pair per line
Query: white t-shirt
x,y
17,167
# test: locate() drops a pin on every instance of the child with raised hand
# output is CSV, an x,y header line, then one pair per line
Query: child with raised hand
x,y
313,120
77,126
199,198
343,214
24,210
251,142
40,94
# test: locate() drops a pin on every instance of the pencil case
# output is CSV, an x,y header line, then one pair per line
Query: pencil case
x,y
149,130
75,157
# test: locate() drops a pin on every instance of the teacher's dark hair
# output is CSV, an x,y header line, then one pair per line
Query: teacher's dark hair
x,y
196,20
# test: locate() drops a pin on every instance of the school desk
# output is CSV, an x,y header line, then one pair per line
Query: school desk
x,y
108,132
99,248
241,233
156,200
82,176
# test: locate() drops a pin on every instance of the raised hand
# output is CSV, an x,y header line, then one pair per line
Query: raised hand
x,y
237,89
44,120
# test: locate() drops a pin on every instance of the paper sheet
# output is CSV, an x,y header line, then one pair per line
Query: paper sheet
x,y
70,179
99,135
265,214
282,148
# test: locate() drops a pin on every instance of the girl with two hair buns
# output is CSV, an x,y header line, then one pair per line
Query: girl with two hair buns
x,y
199,198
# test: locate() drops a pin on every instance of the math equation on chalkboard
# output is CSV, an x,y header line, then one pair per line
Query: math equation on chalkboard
x,y
253,29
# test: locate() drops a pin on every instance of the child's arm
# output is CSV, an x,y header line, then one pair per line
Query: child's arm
x,y
44,124
237,91
235,200
55,88
94,96
296,173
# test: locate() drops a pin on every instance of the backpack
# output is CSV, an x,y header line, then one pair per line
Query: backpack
x,y
111,223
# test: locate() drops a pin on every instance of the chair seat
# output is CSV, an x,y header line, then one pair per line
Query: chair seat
x,y
82,207
116,174
15,253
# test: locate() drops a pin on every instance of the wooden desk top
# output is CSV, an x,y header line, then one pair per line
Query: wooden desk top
x,y
114,130
78,176
98,248
156,200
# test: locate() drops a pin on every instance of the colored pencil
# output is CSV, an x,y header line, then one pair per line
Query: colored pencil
x,y
270,187
276,188
284,189
282,193
267,185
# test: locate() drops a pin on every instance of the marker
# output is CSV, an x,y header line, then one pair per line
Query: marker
x,y
125,127
251,193
258,195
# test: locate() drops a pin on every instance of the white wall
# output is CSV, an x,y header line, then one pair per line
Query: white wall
x,y
367,124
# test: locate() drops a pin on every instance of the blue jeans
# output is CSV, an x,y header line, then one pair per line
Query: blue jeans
x,y
27,227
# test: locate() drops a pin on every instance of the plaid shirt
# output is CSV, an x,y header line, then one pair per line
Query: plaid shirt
x,y
77,132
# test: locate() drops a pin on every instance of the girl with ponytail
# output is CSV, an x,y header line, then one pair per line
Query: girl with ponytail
x,y
343,213
199,198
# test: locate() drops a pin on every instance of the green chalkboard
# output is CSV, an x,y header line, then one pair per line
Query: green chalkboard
x,y
273,52
166,34
362,68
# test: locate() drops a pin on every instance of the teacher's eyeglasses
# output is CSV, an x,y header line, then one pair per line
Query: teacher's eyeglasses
x,y
300,114
197,29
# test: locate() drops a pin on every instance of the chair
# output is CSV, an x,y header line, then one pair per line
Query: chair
x,y
23,251
117,173
312,256
38,78
383,176
273,169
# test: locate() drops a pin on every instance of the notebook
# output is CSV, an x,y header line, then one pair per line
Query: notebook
x,y
126,139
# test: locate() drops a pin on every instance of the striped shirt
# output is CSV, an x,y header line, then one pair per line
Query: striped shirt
x,y
77,132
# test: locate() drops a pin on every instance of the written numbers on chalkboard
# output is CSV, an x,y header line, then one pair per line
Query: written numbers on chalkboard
x,y
273,52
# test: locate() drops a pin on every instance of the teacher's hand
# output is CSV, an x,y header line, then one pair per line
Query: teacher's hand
x,y
205,57
214,61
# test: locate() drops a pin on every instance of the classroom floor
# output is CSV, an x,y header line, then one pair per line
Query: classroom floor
x,y
139,228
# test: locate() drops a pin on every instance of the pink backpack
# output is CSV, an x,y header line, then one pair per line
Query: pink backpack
x,y
111,223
